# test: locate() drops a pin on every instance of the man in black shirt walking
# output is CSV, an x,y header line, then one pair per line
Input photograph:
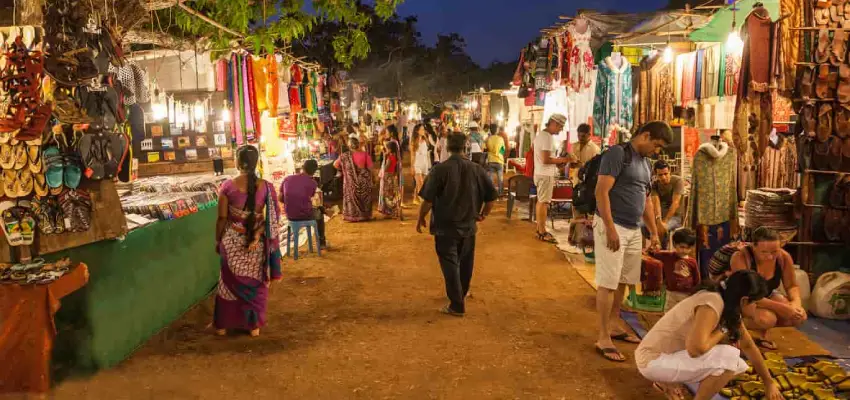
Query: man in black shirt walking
x,y
460,195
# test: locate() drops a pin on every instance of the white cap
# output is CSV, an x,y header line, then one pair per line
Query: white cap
x,y
473,124
559,118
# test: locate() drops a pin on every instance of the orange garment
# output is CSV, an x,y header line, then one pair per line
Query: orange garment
x,y
260,84
27,331
307,98
272,85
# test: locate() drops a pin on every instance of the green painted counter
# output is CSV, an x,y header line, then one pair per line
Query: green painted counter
x,y
137,287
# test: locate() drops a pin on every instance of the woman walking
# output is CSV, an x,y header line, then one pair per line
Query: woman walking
x,y
389,202
421,163
246,237
441,151
684,345
356,166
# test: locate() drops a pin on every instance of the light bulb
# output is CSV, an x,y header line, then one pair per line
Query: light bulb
x,y
225,115
499,117
159,111
198,111
668,54
734,44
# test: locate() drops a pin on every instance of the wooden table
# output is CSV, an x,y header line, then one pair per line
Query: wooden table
x,y
27,331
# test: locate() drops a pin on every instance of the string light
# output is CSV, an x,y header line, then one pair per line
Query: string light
x,y
668,54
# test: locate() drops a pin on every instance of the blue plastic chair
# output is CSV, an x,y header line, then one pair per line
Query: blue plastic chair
x,y
312,228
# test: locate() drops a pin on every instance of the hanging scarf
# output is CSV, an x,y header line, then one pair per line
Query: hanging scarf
x,y
272,228
238,104
252,95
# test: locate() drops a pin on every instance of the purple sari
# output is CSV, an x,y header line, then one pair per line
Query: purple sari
x,y
242,293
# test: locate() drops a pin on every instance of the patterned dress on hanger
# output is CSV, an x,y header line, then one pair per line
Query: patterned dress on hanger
x,y
581,60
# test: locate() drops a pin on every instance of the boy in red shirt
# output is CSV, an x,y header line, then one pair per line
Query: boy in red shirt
x,y
680,271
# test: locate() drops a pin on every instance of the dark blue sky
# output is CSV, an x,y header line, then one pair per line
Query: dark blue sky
x,y
498,29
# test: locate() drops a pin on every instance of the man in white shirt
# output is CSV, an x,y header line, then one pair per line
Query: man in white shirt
x,y
545,171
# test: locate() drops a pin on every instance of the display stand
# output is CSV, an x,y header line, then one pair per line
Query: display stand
x,y
816,257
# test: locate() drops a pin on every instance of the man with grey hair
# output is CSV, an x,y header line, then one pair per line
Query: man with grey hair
x,y
546,170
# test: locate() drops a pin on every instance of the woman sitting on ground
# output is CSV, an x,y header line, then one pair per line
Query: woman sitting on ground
x,y
766,256
685,346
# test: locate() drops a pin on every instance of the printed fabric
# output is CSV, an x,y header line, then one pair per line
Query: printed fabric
x,y
295,98
714,200
581,60
612,108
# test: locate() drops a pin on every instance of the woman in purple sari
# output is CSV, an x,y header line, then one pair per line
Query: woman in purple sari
x,y
246,237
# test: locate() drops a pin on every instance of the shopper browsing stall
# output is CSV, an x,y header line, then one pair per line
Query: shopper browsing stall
x,y
476,144
622,191
249,259
585,149
356,166
666,197
421,164
297,193
766,256
389,200
684,346
545,171
496,160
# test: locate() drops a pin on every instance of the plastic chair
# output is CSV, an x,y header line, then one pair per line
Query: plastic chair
x,y
519,188
295,226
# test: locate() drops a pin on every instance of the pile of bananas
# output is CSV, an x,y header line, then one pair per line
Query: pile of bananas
x,y
822,380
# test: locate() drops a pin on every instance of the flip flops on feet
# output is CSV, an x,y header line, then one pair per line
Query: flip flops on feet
x,y
625,338
672,391
546,237
610,354
765,344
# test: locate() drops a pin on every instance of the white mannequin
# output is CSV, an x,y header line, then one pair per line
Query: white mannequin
x,y
581,25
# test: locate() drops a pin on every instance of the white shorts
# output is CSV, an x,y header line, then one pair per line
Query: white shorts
x,y
421,168
544,185
679,367
622,266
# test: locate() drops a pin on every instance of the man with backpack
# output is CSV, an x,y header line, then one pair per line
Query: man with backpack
x,y
621,193
545,171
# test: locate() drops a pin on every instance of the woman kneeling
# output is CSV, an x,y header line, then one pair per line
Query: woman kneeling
x,y
685,345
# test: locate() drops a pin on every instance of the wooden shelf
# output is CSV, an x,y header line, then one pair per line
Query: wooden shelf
x,y
816,243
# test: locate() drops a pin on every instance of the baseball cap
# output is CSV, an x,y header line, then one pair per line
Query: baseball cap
x,y
473,124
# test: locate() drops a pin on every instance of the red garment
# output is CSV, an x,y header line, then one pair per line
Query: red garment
x,y
392,164
252,96
651,274
680,274
294,96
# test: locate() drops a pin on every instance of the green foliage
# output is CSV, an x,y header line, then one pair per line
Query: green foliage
x,y
265,23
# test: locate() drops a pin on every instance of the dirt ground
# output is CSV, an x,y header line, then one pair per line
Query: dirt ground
x,y
361,322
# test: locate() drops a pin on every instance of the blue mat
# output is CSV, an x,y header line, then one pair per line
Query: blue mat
x,y
832,335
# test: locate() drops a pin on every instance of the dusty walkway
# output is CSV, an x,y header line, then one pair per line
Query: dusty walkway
x,y
361,322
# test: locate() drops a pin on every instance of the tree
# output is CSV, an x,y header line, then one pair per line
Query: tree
x,y
264,24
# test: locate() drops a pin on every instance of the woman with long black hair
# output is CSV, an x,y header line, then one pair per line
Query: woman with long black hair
x,y
685,345
246,237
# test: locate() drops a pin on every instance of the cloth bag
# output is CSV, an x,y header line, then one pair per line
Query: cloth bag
x,y
831,297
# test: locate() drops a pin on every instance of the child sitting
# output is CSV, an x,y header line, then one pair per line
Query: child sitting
x,y
681,274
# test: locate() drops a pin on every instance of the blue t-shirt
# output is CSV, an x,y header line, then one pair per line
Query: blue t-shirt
x,y
628,195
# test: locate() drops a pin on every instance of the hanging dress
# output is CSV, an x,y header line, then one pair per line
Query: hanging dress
x,y
581,60
294,97
272,84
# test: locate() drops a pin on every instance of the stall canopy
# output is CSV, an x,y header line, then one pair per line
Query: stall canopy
x,y
721,23
605,25
663,27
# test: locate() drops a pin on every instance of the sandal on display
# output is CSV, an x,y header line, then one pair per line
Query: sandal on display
x,y
820,159
11,224
40,210
822,52
839,45
20,153
822,82
10,177
54,167
845,156
72,172
824,129
832,220
28,227
837,191
24,183
7,156
809,122
842,121
34,156
822,17
844,83
835,154
807,82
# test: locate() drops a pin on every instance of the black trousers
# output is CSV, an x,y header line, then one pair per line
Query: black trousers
x,y
457,256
